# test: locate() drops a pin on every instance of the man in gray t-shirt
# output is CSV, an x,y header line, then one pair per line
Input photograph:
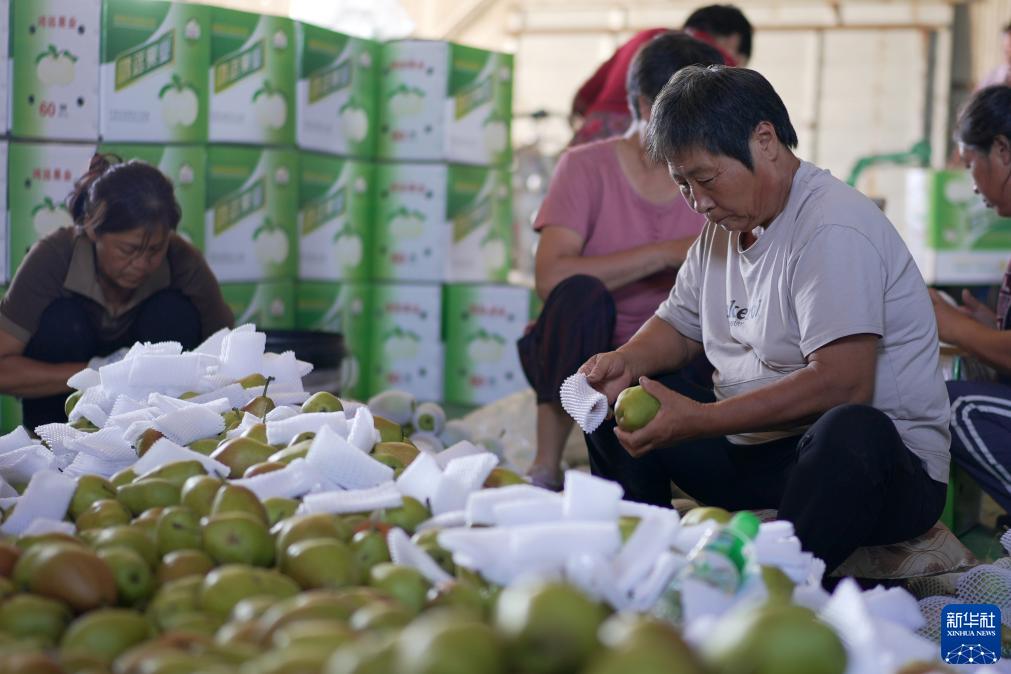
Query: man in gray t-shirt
x,y
828,401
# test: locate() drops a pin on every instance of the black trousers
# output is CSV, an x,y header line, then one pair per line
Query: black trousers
x,y
66,335
849,481
576,322
981,435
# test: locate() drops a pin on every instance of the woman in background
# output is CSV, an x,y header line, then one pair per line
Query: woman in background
x,y
118,276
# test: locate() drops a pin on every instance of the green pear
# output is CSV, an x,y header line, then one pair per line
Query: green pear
x,y
101,514
255,380
372,654
428,541
635,408
226,586
106,633
381,616
291,660
369,548
182,563
187,395
232,537
146,439
137,539
401,453
321,562
310,605
90,488
322,401
263,468
134,582
148,519
304,527
261,404
252,608
83,424
699,515
175,597
408,516
29,616
125,476
241,453
232,418
627,526
502,477
198,493
389,431
302,437
279,508
462,596
446,642
403,583
774,639
291,452
205,446
140,495
178,529
71,402
235,498
637,643
550,626
177,473
257,432
778,585
323,633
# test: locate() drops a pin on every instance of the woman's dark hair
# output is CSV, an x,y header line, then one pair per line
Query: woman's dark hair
x,y
117,196
716,109
722,21
986,116
657,60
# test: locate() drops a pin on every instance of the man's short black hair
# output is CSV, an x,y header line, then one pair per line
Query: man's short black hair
x,y
723,21
657,60
715,109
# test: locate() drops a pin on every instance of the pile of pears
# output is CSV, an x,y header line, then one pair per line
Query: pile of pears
x,y
176,571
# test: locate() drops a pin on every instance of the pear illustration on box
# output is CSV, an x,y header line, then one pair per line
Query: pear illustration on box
x,y
483,347
55,67
270,106
48,217
179,102
399,344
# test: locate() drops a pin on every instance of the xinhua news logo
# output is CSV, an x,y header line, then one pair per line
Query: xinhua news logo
x,y
970,634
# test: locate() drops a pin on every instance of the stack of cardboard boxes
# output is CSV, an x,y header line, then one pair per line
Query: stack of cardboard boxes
x,y
332,183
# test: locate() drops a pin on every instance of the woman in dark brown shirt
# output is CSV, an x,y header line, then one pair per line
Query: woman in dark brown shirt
x,y
119,276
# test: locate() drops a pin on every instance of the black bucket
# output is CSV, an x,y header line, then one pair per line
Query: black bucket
x,y
325,350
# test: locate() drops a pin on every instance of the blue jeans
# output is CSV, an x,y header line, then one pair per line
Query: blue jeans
x,y
66,335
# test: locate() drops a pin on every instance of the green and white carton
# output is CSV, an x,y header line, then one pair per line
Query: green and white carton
x,y
155,59
411,236
268,305
40,177
479,210
5,71
337,92
252,78
186,167
342,308
441,101
483,323
54,69
334,218
4,237
406,346
252,206
953,236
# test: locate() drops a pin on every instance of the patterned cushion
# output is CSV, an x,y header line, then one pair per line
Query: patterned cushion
x,y
934,552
